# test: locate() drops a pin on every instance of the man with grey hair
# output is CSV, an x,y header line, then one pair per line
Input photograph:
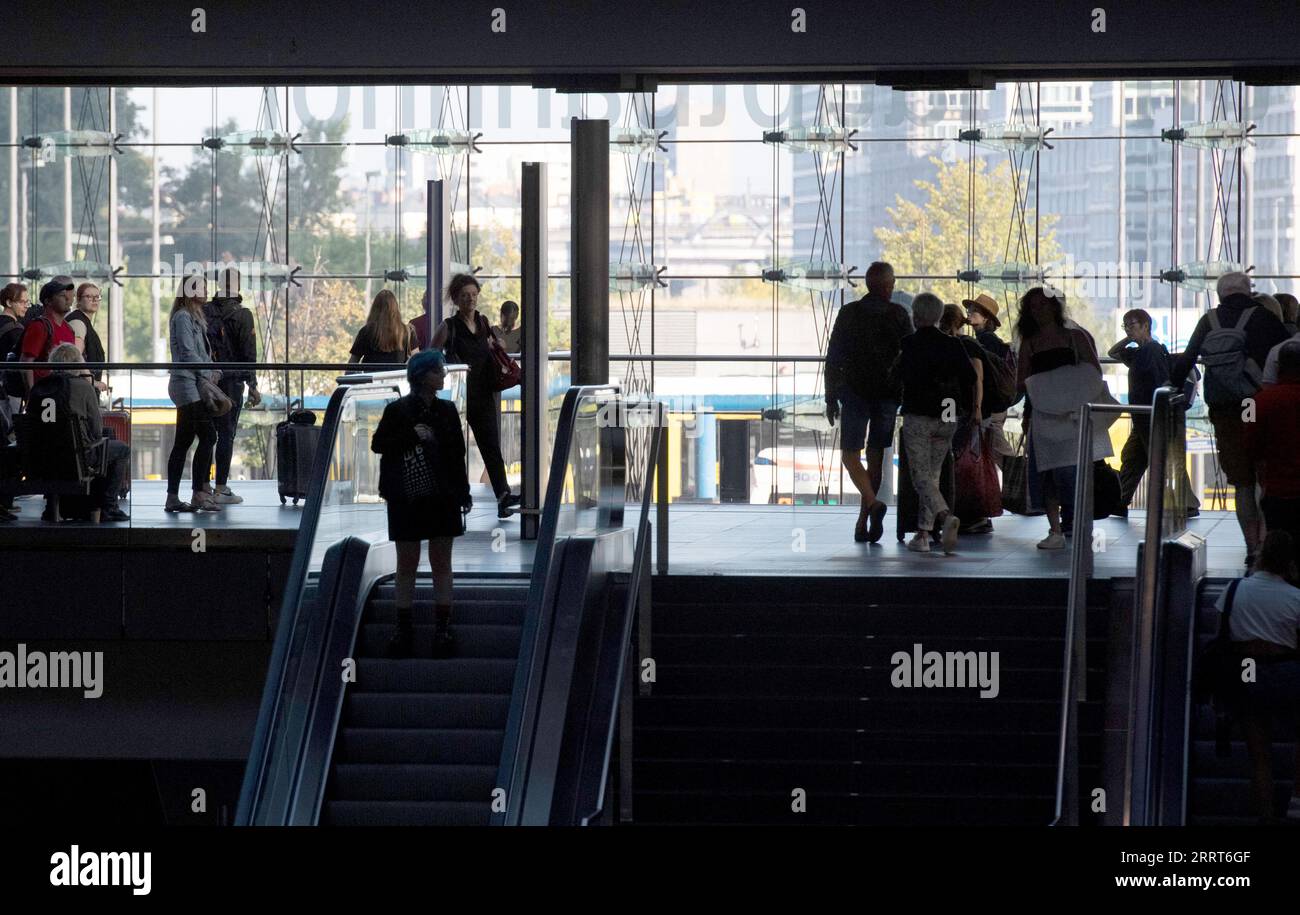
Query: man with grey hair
x,y
936,377
863,345
72,388
1233,341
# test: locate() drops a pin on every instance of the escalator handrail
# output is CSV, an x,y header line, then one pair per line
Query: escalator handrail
x,y
541,589
639,562
290,608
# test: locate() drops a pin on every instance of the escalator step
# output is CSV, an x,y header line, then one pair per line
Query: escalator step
x,y
419,745
406,813
472,640
492,612
426,675
413,782
429,710
934,714
880,621
797,649
729,807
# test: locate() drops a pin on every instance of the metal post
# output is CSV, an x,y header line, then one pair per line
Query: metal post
x,y
1137,786
589,246
116,320
533,312
661,494
437,247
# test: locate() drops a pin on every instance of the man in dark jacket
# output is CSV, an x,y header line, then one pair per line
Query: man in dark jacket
x,y
1263,331
234,339
864,343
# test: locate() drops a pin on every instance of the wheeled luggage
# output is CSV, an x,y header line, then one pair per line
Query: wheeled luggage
x,y
295,451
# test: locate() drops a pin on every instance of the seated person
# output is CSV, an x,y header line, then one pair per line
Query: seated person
x,y
74,388
1264,625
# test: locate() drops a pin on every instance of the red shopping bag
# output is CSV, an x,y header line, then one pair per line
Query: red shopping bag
x,y
979,494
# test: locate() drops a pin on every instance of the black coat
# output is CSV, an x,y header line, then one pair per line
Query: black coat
x,y
396,435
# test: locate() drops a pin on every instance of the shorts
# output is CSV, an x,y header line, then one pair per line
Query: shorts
x,y
1230,443
866,423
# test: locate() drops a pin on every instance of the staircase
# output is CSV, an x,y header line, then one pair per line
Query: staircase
x,y
419,740
766,686
1219,789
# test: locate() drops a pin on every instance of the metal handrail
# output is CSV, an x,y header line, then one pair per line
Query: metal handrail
x,y
1074,683
514,762
640,568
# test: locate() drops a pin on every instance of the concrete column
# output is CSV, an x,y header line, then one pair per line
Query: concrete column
x,y
533,313
589,265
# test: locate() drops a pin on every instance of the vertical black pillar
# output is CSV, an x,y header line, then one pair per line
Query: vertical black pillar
x,y
437,248
533,309
589,265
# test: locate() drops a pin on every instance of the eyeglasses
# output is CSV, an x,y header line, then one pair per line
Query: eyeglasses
x,y
92,298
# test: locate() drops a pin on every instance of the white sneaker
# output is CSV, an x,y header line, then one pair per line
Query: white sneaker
x,y
949,538
1053,541
920,542
223,496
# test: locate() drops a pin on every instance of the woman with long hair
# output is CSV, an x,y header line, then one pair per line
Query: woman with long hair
x,y
188,335
466,337
1058,368
385,337
423,429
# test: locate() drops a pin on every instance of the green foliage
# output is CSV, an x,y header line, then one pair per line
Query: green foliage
x,y
933,237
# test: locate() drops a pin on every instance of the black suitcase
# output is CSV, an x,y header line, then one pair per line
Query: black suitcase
x,y
295,451
908,505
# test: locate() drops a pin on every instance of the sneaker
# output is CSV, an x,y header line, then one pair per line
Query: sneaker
x,y
920,542
983,526
204,501
174,505
223,496
113,513
950,526
399,643
876,518
1053,541
444,643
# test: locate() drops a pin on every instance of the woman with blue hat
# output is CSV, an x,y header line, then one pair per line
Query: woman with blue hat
x,y
422,478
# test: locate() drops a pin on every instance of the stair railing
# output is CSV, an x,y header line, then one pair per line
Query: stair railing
x,y
1163,412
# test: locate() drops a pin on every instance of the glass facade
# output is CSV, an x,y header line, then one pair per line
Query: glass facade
x,y
318,181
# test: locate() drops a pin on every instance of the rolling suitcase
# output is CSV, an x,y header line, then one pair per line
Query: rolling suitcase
x,y
295,451
117,425
906,510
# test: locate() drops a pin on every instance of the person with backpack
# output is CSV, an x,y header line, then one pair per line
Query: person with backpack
x,y
46,327
1262,617
232,338
466,337
866,339
13,308
1289,310
82,321
1232,342
1148,364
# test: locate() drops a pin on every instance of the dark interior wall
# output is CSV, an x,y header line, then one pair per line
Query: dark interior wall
x,y
958,42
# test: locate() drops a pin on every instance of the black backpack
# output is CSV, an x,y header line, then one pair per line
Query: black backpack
x,y
222,334
11,338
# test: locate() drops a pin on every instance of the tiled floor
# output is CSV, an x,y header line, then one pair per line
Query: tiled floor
x,y
708,539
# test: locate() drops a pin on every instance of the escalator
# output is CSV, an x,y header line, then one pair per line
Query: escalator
x,y
441,772
518,727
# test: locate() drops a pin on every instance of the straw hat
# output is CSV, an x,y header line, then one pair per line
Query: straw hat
x,y
987,304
